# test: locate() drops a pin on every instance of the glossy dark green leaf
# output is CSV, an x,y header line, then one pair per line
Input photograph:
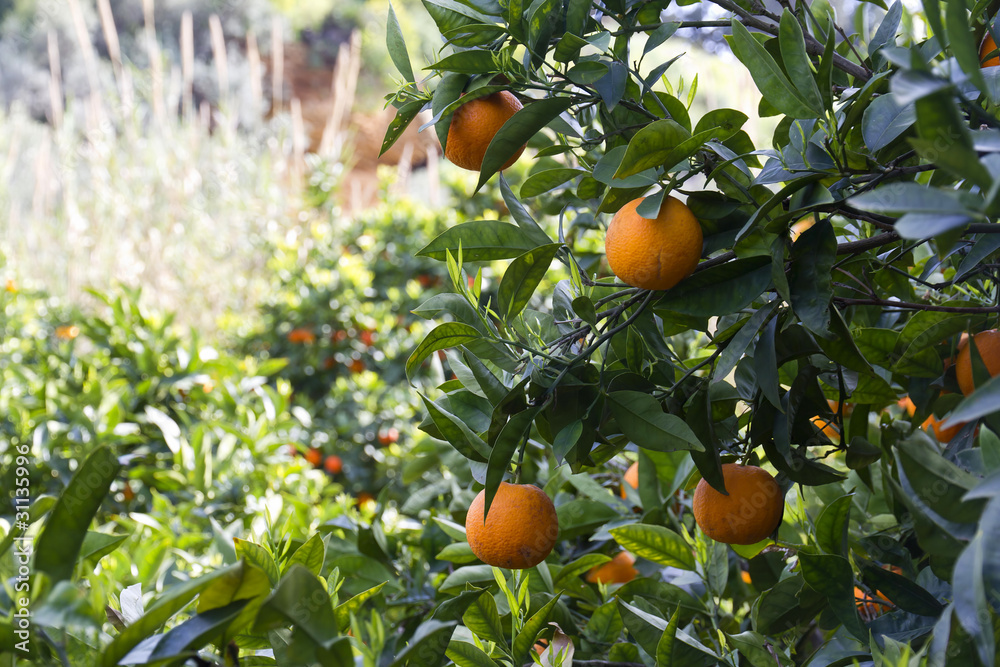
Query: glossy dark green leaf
x,y
522,277
192,634
284,607
897,198
811,276
885,120
753,646
529,631
511,437
467,62
460,436
65,530
767,74
649,147
447,93
901,591
447,335
643,421
516,132
493,389
171,601
720,290
939,483
738,344
665,647
397,47
483,619
428,644
655,543
481,241
887,29
985,400
576,568
765,364
521,216
832,577
957,23
945,139
404,116
465,654
972,609
796,61
548,179
832,524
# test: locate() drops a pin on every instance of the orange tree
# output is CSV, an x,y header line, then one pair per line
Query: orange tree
x,y
779,348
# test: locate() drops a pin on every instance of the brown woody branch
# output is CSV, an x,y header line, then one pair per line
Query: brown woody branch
x,y
904,305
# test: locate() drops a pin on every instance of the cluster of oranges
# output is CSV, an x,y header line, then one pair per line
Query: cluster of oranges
x,y
307,336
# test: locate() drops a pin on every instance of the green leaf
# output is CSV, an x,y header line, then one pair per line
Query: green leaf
x,y
529,631
397,46
938,482
548,179
940,123
649,147
483,619
62,537
971,606
832,524
465,654
450,334
428,644
770,80
521,215
460,436
192,634
301,600
985,400
665,647
655,543
720,290
751,645
796,60
644,422
832,577
739,343
511,437
310,555
885,120
811,276
480,241
901,591
259,556
522,277
404,116
957,23
98,545
467,62
516,132
445,101
169,603
342,614
570,571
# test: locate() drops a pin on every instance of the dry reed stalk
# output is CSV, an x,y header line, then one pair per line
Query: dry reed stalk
x,y
344,84
298,143
111,39
155,66
220,56
253,60
55,81
43,177
277,65
89,61
433,178
404,169
187,63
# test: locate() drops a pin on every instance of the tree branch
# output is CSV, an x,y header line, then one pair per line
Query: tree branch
x,y
813,47
903,305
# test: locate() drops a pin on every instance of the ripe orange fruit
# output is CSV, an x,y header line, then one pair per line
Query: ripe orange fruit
x,y
519,532
796,230
301,336
67,332
388,436
932,423
357,366
654,254
988,47
364,498
828,427
988,347
752,510
745,576
835,407
367,337
631,477
314,457
473,127
333,464
867,606
619,570
128,493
